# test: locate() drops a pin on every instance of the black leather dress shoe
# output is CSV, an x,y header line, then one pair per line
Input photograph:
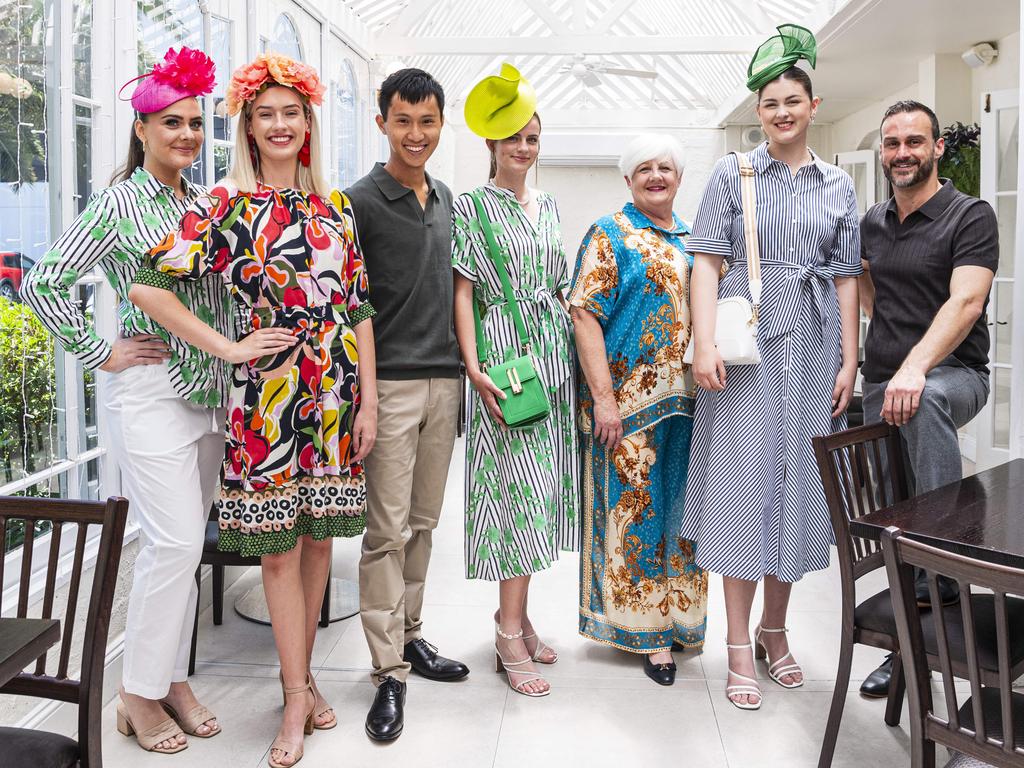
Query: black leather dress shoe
x,y
876,685
662,674
949,591
386,717
425,661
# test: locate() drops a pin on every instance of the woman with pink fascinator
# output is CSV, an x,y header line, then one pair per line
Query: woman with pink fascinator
x,y
302,408
163,397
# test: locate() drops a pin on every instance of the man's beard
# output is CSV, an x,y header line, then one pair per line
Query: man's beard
x,y
923,173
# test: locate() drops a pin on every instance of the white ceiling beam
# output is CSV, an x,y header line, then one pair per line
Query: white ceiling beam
x,y
390,45
610,16
555,24
579,16
407,18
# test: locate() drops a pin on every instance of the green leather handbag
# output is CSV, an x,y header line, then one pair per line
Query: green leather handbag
x,y
526,400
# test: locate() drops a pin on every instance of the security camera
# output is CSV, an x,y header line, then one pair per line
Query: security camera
x,y
979,55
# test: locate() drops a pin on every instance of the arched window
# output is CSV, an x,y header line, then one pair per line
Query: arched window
x,y
346,126
286,38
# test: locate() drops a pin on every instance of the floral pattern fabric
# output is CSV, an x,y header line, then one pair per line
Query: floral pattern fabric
x,y
290,260
522,485
639,587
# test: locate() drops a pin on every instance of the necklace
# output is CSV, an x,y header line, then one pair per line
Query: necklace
x,y
525,202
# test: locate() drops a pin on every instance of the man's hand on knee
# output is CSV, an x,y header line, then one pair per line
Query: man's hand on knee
x,y
902,396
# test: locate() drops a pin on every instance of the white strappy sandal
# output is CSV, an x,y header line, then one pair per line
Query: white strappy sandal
x,y
541,648
508,667
748,686
777,669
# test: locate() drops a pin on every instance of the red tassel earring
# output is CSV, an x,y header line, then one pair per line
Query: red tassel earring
x,y
304,152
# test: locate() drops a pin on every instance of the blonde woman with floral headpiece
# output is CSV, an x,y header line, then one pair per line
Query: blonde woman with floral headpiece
x,y
302,410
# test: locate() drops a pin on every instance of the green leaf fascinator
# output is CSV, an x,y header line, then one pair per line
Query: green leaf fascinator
x,y
780,52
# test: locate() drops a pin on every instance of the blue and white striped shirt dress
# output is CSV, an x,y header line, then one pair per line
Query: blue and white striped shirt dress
x,y
754,501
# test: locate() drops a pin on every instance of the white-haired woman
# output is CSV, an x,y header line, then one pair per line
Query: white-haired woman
x,y
639,588
302,410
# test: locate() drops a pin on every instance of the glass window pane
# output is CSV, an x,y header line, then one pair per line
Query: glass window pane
x,y
221,160
1001,408
220,31
1008,122
81,43
163,24
1003,316
345,124
83,156
1006,212
286,38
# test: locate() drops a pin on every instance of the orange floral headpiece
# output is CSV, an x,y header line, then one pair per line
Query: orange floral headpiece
x,y
272,68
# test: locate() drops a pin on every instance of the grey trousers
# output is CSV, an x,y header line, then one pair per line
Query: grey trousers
x,y
952,396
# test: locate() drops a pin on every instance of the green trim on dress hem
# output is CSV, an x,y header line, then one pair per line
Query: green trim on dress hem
x,y
262,543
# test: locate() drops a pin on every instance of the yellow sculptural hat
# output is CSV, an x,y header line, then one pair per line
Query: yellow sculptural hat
x,y
500,105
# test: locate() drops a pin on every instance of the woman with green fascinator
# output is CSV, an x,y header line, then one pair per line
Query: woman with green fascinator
x,y
510,273
754,501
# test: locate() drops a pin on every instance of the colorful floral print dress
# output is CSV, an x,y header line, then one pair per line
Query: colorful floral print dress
x,y
640,589
290,260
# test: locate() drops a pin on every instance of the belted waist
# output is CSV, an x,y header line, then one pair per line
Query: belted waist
x,y
540,295
305,321
805,282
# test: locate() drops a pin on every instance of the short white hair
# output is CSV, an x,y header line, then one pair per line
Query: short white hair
x,y
651,146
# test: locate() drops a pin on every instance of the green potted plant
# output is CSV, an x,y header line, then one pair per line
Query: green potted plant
x,y
961,162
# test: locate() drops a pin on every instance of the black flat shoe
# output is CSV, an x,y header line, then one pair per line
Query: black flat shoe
x,y
386,717
662,674
949,591
426,662
876,685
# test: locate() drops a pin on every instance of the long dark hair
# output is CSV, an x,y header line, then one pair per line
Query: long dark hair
x,y
494,160
136,155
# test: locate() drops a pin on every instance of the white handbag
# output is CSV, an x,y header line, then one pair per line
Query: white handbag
x,y
735,317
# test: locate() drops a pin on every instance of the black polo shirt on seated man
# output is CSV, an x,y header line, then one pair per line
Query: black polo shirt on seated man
x,y
911,264
407,251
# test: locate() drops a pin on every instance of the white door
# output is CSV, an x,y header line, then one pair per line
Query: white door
x,y
1000,119
861,164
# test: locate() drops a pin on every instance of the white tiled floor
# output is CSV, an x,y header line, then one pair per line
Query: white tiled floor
x,y
602,711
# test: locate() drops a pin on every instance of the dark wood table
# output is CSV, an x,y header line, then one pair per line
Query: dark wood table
x,y
22,641
981,516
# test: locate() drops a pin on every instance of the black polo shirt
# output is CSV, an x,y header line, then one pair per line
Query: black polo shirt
x,y
911,265
407,250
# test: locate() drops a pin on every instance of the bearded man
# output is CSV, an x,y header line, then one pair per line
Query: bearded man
x,y
929,255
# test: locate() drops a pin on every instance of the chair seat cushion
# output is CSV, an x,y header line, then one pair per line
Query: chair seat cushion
x,y
876,614
23,747
992,712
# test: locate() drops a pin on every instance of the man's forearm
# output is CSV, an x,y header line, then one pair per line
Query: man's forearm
x,y
950,327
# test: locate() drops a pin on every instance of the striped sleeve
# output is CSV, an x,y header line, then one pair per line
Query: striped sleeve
x,y
712,227
465,228
844,260
562,278
48,286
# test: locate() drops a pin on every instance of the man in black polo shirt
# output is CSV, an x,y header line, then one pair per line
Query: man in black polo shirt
x,y
930,253
403,222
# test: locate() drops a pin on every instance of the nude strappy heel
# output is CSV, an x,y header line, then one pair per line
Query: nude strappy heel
x,y
287,747
316,712
749,686
777,669
191,720
165,730
500,665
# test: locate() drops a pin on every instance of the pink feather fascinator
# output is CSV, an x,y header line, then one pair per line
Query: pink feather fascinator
x,y
182,74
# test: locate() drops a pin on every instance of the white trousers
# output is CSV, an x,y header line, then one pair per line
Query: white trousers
x,y
169,452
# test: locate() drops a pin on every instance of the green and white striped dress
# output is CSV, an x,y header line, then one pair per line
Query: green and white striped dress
x,y
522,486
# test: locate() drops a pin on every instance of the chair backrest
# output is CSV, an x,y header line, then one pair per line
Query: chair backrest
x,y
87,691
989,728
862,471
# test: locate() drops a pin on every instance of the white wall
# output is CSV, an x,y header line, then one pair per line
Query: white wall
x,y
1001,74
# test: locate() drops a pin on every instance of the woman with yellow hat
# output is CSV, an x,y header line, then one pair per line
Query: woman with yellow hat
x,y
521,483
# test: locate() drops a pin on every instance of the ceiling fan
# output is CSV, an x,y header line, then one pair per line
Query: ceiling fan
x,y
589,69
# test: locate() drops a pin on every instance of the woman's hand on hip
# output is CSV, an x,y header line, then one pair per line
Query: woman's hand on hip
x,y
364,432
708,368
265,341
607,422
842,393
144,349
489,393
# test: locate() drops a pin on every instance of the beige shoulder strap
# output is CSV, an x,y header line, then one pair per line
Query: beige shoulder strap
x,y
748,200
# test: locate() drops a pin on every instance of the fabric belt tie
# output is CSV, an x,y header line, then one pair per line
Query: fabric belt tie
x,y
305,322
541,296
805,282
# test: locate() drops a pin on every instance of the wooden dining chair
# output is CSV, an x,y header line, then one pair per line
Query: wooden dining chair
x,y
24,747
862,470
988,724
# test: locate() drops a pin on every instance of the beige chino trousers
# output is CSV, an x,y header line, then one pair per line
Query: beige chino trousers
x,y
405,478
